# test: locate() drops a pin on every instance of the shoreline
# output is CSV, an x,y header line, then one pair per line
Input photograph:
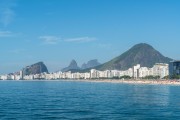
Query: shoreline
x,y
128,81
149,82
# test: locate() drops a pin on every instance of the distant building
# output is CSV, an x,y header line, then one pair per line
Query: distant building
x,y
161,70
136,71
21,74
143,72
93,73
174,68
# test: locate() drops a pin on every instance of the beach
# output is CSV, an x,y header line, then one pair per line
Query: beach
x,y
120,81
134,81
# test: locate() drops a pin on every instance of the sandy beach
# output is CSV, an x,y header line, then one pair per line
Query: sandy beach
x,y
138,81
128,81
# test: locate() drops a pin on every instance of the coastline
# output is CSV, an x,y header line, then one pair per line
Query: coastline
x,y
130,81
118,81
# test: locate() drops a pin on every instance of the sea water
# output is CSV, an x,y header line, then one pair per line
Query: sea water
x,y
76,100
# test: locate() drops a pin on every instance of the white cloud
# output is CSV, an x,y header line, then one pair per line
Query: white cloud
x,y
81,39
54,39
7,16
7,13
50,39
6,34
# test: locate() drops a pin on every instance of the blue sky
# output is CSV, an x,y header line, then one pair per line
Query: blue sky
x,y
57,31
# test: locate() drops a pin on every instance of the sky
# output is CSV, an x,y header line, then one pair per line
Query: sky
x,y
57,31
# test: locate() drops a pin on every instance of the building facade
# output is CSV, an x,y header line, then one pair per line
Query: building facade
x,y
174,68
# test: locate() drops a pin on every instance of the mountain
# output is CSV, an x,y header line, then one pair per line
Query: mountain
x,y
90,64
142,53
72,66
36,68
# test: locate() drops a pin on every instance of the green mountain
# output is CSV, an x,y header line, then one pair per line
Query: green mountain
x,y
142,53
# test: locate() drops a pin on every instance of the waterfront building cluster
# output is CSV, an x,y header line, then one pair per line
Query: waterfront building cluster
x,y
136,72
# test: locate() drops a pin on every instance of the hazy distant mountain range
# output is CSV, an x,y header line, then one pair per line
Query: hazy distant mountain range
x,y
142,53
90,64
74,67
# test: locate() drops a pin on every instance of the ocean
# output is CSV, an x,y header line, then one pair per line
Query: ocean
x,y
77,100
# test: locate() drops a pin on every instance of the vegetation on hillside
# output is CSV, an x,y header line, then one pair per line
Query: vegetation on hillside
x,y
142,53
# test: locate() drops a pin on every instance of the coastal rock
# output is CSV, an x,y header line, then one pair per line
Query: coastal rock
x,y
36,68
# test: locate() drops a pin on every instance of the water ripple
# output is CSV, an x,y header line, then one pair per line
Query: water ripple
x,y
46,100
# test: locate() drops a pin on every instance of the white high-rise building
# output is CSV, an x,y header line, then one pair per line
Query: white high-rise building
x,y
136,71
21,74
143,72
94,73
87,75
160,69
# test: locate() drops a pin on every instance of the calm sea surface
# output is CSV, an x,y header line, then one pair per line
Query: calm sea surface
x,y
61,100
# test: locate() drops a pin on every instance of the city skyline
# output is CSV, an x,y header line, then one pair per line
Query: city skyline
x,y
56,32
